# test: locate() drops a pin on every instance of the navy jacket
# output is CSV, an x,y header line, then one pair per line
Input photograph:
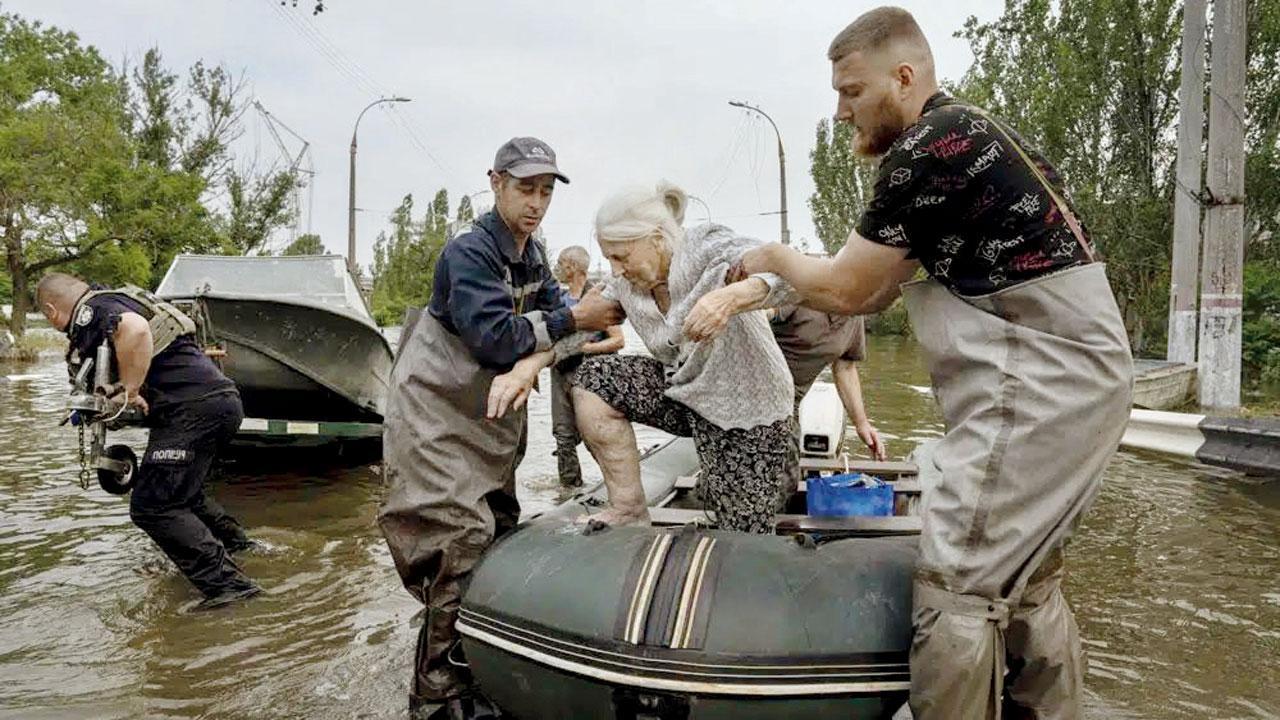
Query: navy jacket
x,y
503,305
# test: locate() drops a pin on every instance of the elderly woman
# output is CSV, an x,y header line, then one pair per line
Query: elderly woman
x,y
731,393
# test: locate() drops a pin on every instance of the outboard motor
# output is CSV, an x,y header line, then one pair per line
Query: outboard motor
x,y
822,422
93,409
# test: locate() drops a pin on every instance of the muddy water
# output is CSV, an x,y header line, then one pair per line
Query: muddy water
x,y
1175,578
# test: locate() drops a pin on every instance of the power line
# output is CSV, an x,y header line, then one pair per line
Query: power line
x,y
354,75
357,77
399,116
739,141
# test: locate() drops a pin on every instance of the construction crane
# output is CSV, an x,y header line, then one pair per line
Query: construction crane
x,y
295,167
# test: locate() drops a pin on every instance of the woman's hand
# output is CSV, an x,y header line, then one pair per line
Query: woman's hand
x,y
710,315
610,344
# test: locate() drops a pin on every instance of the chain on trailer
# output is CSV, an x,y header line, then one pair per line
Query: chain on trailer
x,y
94,411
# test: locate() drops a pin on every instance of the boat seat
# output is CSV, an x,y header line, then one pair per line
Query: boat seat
x,y
887,468
901,487
792,524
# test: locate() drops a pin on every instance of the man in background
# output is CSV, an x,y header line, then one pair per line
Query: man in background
x,y
571,271
812,340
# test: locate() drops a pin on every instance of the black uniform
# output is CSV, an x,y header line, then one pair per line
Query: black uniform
x,y
194,411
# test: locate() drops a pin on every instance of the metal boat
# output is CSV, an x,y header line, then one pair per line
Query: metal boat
x,y
1162,385
293,333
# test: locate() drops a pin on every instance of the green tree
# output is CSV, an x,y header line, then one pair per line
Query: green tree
x,y
110,174
842,184
1262,133
405,259
307,244
184,129
466,213
259,204
1093,85
63,153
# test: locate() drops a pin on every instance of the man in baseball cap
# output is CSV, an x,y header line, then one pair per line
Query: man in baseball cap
x,y
450,473
525,157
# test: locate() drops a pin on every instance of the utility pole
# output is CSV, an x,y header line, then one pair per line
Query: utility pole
x,y
351,188
782,167
1222,271
1186,194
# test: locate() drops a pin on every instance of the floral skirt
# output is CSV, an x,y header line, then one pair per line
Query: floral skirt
x,y
746,472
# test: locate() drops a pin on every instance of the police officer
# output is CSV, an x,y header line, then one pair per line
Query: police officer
x,y
191,408
449,472
1029,359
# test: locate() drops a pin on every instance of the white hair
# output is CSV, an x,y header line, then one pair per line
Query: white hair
x,y
637,213
577,255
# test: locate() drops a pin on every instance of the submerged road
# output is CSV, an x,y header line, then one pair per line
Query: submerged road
x,y
1175,578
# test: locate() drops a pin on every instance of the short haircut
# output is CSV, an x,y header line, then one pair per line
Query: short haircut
x,y
57,288
876,30
577,255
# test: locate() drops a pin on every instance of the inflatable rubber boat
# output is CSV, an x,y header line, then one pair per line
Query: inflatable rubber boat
x,y
684,621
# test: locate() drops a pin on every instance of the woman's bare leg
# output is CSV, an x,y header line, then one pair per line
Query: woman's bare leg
x,y
612,442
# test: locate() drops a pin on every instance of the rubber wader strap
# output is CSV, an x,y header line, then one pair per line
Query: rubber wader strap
x,y
995,610
1067,214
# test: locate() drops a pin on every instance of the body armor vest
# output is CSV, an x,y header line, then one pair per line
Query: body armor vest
x,y
167,322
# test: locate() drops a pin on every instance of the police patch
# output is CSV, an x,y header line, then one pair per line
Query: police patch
x,y
85,316
169,456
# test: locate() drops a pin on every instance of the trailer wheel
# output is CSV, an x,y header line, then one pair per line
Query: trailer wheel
x,y
114,482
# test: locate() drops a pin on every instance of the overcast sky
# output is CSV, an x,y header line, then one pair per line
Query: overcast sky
x,y
625,92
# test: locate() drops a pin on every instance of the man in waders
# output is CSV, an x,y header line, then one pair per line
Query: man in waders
x,y
192,410
449,472
571,271
1029,360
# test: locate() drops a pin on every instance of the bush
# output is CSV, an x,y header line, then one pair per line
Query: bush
x,y
892,321
1260,348
32,344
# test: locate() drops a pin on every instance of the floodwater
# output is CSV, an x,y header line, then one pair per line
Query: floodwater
x,y
1175,578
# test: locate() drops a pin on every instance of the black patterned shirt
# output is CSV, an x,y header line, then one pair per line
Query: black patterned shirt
x,y
958,194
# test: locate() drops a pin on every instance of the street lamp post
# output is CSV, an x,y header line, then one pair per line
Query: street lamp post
x,y
477,194
351,189
782,167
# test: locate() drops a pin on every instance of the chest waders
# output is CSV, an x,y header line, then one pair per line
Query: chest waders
x,y
449,477
1034,383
